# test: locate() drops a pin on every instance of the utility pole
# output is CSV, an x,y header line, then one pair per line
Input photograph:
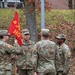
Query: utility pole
x,y
42,15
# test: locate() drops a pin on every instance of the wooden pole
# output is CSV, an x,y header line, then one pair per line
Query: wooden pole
x,y
15,68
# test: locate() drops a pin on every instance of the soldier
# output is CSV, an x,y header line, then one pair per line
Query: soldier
x,y
5,54
43,58
5,59
63,55
6,36
23,62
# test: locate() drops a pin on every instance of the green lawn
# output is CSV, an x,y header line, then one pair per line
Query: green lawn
x,y
6,15
51,17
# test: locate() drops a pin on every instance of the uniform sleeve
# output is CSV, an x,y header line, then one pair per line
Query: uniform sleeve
x,y
67,60
56,57
16,49
7,47
34,57
11,49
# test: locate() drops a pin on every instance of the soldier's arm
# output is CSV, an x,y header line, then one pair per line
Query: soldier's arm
x,y
34,57
67,60
56,57
17,49
11,49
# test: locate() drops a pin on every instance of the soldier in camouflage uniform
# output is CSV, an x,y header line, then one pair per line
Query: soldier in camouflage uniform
x,y
63,56
23,62
5,59
6,36
5,54
43,58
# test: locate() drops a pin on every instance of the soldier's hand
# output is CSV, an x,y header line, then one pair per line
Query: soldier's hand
x,y
34,73
64,72
15,57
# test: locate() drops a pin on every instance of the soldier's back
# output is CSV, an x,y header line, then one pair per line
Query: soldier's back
x,y
46,53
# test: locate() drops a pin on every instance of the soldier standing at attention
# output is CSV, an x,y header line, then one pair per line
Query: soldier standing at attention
x,y
63,56
5,54
43,58
23,61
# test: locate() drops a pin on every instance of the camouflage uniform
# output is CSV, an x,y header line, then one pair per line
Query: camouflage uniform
x,y
23,62
5,55
63,61
43,58
5,59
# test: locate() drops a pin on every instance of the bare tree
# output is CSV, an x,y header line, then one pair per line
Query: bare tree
x,y
31,18
70,4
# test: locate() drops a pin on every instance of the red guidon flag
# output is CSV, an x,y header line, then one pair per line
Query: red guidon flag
x,y
14,29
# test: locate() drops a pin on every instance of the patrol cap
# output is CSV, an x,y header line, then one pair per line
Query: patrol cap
x,y
45,32
61,36
3,32
25,31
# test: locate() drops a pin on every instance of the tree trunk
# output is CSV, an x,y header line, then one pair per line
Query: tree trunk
x,y
74,4
5,3
70,4
31,19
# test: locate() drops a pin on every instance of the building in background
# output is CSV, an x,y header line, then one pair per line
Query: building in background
x,y
11,4
55,4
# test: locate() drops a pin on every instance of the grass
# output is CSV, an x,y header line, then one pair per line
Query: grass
x,y
6,16
51,17
55,15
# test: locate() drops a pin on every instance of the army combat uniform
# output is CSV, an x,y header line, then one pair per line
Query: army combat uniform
x,y
5,61
43,58
63,56
23,62
5,55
